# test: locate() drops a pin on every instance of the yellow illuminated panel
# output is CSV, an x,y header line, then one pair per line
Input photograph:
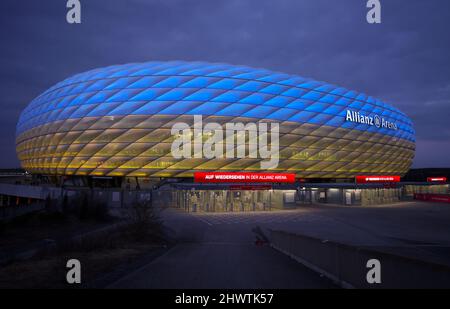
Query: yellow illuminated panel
x,y
141,146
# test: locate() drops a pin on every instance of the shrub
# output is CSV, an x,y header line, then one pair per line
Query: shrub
x,y
145,221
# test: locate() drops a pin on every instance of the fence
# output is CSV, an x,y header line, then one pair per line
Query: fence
x,y
347,265
443,198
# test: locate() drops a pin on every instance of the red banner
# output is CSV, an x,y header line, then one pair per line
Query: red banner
x,y
436,179
377,179
432,197
223,177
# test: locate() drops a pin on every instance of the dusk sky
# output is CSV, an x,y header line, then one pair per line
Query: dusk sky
x,y
404,61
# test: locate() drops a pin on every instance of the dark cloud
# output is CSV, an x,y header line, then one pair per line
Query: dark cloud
x,y
403,61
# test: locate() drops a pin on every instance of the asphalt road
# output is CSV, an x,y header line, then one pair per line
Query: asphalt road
x,y
219,256
217,250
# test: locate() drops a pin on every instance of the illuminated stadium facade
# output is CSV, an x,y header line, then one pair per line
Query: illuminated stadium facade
x,y
117,121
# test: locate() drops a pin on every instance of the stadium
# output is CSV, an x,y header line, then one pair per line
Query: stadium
x,y
118,122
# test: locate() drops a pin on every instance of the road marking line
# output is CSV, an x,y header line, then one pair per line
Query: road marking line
x,y
203,220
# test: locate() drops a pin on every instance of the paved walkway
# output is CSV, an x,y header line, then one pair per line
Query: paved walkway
x,y
221,256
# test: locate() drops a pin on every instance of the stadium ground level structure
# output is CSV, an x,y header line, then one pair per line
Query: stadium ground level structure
x,y
233,198
194,197
190,196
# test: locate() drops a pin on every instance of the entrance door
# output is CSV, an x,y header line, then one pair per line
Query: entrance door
x,y
348,198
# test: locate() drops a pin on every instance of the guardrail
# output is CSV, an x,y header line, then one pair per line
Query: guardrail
x,y
29,191
346,265
10,212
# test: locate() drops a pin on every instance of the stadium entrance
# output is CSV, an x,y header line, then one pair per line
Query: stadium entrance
x,y
234,199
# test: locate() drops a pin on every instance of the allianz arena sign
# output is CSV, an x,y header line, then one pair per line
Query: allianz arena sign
x,y
375,120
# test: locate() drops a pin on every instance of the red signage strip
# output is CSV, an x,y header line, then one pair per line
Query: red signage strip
x,y
436,179
223,177
432,197
377,179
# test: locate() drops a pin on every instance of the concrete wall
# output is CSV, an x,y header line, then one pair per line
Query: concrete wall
x,y
36,192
